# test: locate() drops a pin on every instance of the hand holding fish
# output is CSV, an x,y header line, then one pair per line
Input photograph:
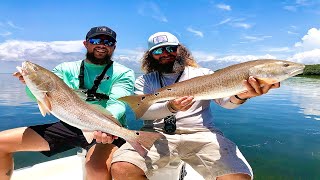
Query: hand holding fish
x,y
254,88
103,138
181,104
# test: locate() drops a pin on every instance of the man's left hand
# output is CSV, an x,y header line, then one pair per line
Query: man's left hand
x,y
103,138
254,88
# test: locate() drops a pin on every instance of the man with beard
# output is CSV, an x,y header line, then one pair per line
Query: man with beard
x,y
103,81
188,127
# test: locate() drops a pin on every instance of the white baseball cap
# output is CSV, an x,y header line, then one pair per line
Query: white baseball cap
x,y
162,39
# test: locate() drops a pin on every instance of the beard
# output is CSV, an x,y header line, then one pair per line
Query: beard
x,y
94,60
163,68
175,66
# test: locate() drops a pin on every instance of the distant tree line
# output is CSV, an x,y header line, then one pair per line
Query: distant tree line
x,y
311,70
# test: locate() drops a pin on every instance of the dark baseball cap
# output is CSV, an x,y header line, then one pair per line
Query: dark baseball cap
x,y
101,30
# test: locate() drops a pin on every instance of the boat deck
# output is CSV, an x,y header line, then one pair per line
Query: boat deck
x,y
72,167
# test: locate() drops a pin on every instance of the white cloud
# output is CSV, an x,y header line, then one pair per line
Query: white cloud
x,y
242,25
291,32
231,59
37,50
256,38
235,22
203,56
224,7
303,2
224,21
279,49
306,51
299,4
196,32
153,10
310,41
290,8
307,57
5,34
13,25
244,58
129,54
221,62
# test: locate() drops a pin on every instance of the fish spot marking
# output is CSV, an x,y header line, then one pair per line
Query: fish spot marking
x,y
142,98
156,94
169,89
137,133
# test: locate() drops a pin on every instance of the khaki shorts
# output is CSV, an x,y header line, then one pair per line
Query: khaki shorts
x,y
208,153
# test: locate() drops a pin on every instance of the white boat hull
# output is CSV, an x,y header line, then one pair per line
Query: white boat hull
x,y
72,167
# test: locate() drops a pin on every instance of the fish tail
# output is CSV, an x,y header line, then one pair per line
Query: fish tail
x,y
144,141
138,103
147,139
142,152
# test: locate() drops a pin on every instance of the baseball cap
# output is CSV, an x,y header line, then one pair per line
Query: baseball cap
x,y
162,39
101,30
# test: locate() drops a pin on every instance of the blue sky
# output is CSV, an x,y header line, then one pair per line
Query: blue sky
x,y
216,31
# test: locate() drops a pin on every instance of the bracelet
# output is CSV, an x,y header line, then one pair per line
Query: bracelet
x,y
240,98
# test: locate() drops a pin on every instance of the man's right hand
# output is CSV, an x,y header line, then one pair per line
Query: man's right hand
x,y
181,104
19,76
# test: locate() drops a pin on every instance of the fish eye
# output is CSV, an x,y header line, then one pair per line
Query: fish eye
x,y
286,65
35,68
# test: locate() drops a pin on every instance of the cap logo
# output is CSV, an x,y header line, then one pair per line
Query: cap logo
x,y
160,39
101,29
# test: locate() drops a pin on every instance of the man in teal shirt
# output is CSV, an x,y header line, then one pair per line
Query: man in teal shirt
x,y
115,81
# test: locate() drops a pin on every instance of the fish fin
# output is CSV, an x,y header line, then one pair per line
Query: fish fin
x,y
142,152
147,139
138,103
88,135
47,101
43,109
105,113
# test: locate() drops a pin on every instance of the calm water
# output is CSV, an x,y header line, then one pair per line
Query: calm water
x,y
278,133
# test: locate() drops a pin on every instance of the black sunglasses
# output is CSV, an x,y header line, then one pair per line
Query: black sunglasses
x,y
106,42
160,50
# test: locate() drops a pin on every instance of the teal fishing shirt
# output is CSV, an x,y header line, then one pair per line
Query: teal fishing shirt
x,y
117,82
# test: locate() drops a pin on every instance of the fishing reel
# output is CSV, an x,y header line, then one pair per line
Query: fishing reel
x,y
170,124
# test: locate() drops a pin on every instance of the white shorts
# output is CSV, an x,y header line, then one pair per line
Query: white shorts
x,y
208,153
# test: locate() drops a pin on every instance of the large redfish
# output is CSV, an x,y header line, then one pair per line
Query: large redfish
x,y
55,97
223,83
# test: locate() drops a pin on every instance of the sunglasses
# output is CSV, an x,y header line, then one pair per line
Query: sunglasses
x,y
106,42
160,50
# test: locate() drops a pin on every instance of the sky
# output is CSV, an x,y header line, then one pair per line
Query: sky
x,y
215,31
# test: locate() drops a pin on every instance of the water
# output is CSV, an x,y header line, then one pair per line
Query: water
x,y
278,133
